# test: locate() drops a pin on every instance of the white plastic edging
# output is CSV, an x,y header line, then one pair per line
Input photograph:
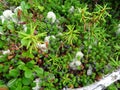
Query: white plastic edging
x,y
103,83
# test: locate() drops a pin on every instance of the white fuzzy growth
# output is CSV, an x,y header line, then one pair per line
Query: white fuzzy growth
x,y
89,71
7,14
37,87
51,15
25,27
47,39
79,54
2,18
77,63
74,64
71,10
42,47
14,18
6,52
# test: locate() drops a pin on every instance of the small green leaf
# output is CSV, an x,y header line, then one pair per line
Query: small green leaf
x,y
23,5
112,87
24,42
31,63
26,81
3,37
41,8
28,73
38,70
26,88
2,43
14,72
10,27
19,87
1,29
27,54
28,45
11,82
21,67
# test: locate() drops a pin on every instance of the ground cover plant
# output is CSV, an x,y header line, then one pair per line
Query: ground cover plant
x,y
56,44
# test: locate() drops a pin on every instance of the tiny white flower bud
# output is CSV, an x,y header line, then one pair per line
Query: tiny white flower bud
x,y
79,54
37,87
74,64
25,27
42,47
51,15
7,14
2,18
77,63
89,71
71,10
6,52
47,39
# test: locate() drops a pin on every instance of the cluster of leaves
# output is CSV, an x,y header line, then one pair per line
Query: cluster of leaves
x,y
29,39
17,74
86,28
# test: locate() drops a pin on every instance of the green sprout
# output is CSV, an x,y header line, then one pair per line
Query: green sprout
x,y
30,40
71,35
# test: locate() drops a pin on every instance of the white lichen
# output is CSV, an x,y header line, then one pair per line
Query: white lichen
x,y
71,10
74,64
6,52
42,47
47,38
7,14
37,81
89,71
79,55
2,18
78,63
51,15
25,27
